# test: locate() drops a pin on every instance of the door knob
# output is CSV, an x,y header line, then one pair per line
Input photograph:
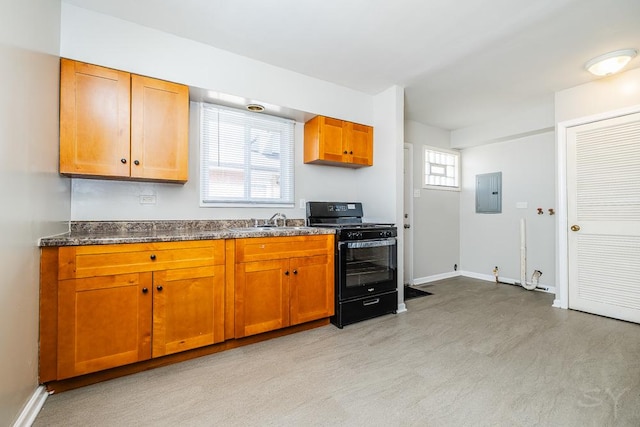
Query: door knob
x,y
407,226
575,228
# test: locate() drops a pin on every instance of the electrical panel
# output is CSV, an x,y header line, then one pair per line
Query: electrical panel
x,y
489,193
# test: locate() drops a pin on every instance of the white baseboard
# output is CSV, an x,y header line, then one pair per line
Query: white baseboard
x,y
435,277
490,278
32,408
402,308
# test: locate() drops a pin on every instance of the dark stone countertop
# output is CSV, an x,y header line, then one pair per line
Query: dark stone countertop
x,y
118,232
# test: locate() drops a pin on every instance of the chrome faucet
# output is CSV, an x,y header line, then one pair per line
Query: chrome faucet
x,y
276,216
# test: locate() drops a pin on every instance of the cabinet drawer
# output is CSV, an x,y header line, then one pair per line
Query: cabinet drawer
x,y
365,308
102,260
269,248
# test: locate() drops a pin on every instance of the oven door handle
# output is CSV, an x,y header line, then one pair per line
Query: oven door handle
x,y
370,243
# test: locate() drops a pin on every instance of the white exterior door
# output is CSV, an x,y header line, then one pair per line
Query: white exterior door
x,y
408,215
603,198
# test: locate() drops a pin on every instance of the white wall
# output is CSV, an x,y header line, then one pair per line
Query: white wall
x,y
436,214
528,175
378,184
35,200
605,94
103,40
518,124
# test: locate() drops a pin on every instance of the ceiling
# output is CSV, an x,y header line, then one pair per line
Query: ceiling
x,y
461,62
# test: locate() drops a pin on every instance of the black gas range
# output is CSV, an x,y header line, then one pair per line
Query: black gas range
x,y
346,218
366,257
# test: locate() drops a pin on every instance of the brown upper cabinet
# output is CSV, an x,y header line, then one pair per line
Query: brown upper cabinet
x,y
329,141
114,124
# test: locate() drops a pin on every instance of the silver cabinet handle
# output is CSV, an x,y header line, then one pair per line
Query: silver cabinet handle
x,y
371,301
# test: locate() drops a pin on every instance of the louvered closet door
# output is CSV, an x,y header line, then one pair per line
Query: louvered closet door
x,y
603,183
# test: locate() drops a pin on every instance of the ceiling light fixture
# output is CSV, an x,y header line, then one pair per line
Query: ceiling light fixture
x,y
255,108
610,63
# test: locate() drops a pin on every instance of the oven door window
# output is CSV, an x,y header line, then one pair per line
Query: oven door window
x,y
368,262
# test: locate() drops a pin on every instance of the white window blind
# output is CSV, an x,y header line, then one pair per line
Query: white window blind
x,y
441,169
246,158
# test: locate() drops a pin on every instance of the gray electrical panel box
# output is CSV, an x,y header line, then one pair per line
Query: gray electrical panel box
x,y
489,193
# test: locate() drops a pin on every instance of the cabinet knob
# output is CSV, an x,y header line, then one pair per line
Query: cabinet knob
x,y
153,257
350,152
159,287
145,290
286,273
295,271
123,160
345,152
136,162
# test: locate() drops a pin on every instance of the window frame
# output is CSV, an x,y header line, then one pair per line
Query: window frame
x,y
457,168
246,165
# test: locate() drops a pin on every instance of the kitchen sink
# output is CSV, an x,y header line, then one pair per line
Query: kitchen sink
x,y
268,229
295,228
253,229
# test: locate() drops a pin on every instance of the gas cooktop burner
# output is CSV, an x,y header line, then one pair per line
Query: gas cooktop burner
x,y
346,218
352,225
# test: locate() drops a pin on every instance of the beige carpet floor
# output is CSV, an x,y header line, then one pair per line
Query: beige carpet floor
x,y
472,354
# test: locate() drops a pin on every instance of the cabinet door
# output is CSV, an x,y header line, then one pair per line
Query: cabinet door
x,y
188,309
94,120
312,288
103,322
261,297
359,143
159,129
323,140
332,137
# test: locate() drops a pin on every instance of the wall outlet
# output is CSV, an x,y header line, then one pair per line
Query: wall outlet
x,y
416,193
147,199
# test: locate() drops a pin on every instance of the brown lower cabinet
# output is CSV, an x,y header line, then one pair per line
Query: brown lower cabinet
x,y
106,306
282,281
120,304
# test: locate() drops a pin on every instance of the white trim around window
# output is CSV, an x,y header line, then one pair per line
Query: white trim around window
x,y
246,158
440,169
